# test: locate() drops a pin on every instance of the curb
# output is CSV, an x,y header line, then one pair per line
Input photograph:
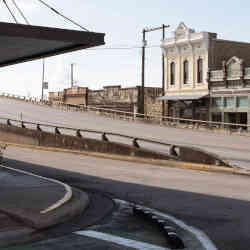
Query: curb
x,y
163,163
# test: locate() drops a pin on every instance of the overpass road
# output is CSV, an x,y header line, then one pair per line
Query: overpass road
x,y
232,148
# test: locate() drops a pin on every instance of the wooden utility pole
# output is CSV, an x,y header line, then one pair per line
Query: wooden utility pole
x,y
72,75
163,72
144,44
43,77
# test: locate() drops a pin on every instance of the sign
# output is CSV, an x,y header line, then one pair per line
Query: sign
x,y
45,85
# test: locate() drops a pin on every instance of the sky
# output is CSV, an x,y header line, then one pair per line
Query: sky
x,y
122,22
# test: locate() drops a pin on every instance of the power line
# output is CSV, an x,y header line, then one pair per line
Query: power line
x,y
7,6
20,11
125,48
60,14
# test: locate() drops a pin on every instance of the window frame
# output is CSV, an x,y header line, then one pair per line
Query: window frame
x,y
200,70
172,73
185,71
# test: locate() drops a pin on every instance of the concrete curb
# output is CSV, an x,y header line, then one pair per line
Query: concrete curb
x,y
163,163
59,203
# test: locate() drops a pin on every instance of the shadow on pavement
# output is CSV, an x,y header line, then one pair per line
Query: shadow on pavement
x,y
226,221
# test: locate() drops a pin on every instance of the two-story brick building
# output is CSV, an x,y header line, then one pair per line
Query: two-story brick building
x,y
189,56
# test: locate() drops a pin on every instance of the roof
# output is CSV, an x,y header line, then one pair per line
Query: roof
x,y
183,97
21,43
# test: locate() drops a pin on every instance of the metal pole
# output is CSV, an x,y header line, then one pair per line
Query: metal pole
x,y
72,75
43,77
163,72
143,71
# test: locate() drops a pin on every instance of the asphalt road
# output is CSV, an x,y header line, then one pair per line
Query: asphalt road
x,y
218,204
232,148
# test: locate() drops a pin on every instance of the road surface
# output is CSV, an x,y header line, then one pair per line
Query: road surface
x,y
218,204
235,149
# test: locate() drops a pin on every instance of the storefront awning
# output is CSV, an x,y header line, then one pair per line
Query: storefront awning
x,y
183,97
22,43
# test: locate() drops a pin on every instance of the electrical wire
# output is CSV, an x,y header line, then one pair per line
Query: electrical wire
x,y
20,11
125,48
60,14
7,6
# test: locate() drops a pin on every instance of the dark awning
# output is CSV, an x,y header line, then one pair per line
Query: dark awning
x,y
183,97
21,43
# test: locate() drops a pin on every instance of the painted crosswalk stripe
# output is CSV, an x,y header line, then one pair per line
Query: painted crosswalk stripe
x,y
121,241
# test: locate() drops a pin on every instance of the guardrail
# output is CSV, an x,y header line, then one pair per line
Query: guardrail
x,y
175,152
78,132
133,116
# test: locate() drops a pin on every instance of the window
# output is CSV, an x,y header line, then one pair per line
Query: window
x,y
185,72
217,102
242,101
172,73
229,102
200,70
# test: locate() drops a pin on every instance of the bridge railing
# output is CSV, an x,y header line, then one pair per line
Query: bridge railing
x,y
134,116
177,152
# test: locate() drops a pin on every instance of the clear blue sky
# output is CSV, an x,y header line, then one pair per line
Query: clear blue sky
x,y
122,21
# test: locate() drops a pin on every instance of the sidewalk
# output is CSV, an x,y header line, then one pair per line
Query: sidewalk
x,y
33,200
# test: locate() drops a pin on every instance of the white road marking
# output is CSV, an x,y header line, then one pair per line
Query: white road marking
x,y
121,241
60,202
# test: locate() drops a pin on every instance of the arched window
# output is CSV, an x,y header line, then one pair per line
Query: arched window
x,y
200,70
185,72
172,73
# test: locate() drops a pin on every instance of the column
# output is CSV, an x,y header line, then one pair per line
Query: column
x,y
248,114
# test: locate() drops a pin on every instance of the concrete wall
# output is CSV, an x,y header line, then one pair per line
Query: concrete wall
x,y
195,155
13,134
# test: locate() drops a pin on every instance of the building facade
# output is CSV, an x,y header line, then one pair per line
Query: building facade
x,y
230,92
189,57
112,97
75,95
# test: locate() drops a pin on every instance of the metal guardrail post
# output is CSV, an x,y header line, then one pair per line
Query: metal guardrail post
x,y
38,127
78,133
135,143
104,137
57,132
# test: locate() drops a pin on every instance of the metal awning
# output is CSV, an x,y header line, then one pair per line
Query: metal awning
x,y
183,97
21,43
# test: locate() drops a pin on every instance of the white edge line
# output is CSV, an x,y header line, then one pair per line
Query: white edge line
x,y
121,241
201,236
60,202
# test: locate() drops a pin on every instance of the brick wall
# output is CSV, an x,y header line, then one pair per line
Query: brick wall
x,y
223,50
152,105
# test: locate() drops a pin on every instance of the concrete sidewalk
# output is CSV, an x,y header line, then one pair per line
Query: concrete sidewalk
x,y
27,198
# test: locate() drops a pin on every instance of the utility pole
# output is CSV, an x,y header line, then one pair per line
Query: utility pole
x,y
72,75
163,72
144,44
43,77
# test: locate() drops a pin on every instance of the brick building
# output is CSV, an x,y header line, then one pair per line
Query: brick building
x,y
189,56
75,95
112,97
